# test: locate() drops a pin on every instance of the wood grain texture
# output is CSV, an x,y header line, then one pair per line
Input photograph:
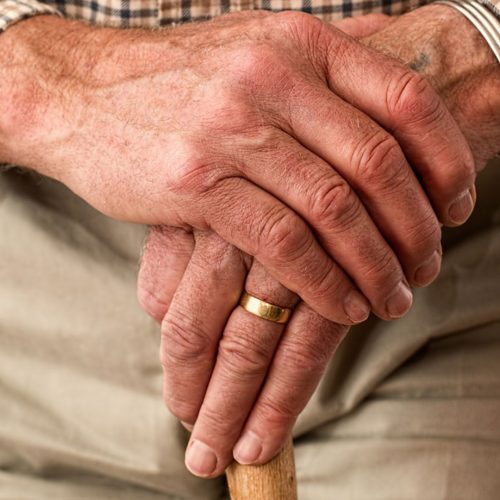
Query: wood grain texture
x,y
275,480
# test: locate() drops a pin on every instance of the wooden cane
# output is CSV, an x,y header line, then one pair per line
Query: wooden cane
x,y
275,480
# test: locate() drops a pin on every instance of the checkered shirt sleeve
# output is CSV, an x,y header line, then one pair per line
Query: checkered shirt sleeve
x,y
12,11
493,5
158,13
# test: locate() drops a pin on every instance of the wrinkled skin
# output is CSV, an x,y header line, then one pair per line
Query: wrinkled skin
x,y
284,146
201,279
258,127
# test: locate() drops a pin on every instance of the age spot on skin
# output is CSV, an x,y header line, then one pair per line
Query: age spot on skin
x,y
421,62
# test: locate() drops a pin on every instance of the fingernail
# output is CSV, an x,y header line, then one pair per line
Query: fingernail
x,y
462,207
399,302
428,271
356,307
200,459
248,448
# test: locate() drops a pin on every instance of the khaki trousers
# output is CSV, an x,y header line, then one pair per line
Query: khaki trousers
x,y
407,410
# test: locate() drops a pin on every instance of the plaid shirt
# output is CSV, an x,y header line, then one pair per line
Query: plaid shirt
x,y
157,13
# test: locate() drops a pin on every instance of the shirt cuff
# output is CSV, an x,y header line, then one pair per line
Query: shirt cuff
x,y
12,11
493,5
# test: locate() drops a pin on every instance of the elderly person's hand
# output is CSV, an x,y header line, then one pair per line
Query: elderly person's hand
x,y
285,136
252,382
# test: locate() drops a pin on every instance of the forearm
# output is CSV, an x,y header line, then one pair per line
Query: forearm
x,y
443,45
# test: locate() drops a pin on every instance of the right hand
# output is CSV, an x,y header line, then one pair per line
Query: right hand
x,y
269,129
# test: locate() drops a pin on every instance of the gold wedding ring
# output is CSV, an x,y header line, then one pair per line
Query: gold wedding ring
x,y
265,310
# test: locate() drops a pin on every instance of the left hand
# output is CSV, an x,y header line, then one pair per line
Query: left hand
x,y
227,371
198,280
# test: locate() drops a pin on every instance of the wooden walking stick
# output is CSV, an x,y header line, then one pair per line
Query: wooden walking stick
x,y
275,480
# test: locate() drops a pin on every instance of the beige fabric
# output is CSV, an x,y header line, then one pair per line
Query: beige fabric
x,y
407,410
80,386
430,431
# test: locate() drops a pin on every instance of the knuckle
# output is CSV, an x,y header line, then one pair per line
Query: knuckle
x,y
279,411
411,99
378,160
216,419
152,304
282,235
424,234
306,357
382,270
193,175
325,285
195,171
242,356
256,68
310,33
183,342
335,201
215,258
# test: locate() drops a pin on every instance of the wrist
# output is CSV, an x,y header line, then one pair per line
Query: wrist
x,y
443,45
46,63
32,88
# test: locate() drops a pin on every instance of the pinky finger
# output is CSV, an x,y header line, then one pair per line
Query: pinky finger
x,y
165,256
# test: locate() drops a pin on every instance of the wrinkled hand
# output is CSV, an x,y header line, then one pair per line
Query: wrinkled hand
x,y
260,127
253,380
253,355
199,279
200,286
